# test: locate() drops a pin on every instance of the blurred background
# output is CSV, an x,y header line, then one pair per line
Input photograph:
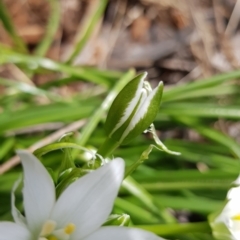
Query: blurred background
x,y
173,40
59,60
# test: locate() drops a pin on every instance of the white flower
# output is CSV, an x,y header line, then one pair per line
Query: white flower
x,y
77,214
226,224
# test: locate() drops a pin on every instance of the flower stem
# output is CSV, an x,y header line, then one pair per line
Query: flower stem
x,y
107,147
141,159
176,228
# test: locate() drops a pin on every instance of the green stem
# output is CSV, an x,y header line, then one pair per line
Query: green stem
x,y
172,229
56,146
107,147
136,164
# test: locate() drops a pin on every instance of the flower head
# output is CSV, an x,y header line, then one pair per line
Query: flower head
x,y
133,110
77,214
226,223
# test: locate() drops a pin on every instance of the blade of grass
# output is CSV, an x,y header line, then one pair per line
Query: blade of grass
x,y
24,87
170,229
213,135
87,29
110,76
9,26
201,147
40,114
200,84
183,175
205,92
157,187
191,154
225,163
138,214
137,190
35,62
196,204
6,146
201,110
52,27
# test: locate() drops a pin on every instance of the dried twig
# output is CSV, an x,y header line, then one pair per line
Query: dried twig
x,y
50,126
47,140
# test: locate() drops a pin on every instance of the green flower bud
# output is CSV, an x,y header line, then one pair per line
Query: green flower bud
x,y
133,110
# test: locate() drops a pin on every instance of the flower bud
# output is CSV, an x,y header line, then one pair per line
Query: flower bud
x,y
133,110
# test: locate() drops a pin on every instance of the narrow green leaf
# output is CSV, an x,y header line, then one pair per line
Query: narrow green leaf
x,y
35,62
7,22
87,30
52,27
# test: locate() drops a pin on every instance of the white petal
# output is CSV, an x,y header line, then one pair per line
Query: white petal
x,y
231,209
17,216
120,233
88,202
235,234
38,191
234,193
13,231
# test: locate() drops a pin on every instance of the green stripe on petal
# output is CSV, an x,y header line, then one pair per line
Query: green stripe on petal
x,y
145,114
120,133
124,104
